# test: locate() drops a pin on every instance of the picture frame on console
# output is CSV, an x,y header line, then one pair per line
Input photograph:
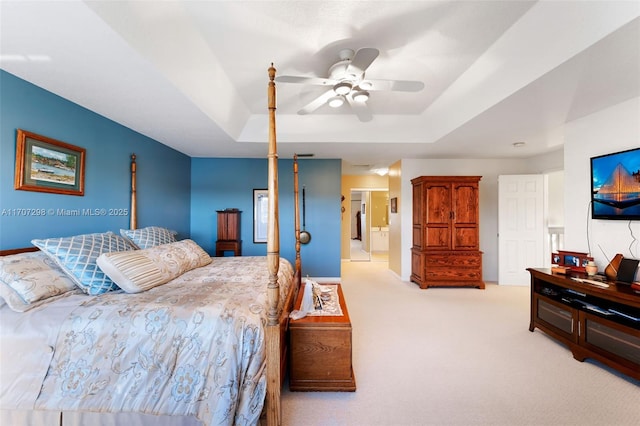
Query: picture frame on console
x,y
571,260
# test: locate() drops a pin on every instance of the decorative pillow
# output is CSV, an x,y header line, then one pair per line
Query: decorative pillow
x,y
15,302
77,256
140,270
34,276
150,236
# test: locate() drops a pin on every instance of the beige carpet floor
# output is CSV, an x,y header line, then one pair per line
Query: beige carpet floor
x,y
456,356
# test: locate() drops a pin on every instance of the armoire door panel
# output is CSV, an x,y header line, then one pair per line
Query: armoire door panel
x,y
465,238
417,236
417,207
438,204
466,204
437,238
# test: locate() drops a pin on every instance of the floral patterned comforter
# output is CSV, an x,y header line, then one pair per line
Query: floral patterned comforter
x,y
194,346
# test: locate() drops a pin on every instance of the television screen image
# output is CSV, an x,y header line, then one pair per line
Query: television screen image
x,y
615,185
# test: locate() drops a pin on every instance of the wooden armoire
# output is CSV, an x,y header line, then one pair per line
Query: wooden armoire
x,y
446,232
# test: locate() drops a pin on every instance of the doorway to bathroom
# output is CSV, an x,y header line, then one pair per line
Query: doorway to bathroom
x,y
369,225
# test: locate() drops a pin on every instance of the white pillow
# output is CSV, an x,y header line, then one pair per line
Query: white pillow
x,y
34,276
15,302
77,256
150,236
140,270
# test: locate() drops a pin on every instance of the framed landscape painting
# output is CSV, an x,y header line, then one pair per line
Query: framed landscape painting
x,y
47,165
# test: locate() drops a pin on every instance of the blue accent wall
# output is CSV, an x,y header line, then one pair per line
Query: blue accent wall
x,y
163,178
218,183
174,190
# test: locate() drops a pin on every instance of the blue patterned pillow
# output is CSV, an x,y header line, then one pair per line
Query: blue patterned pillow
x,y
150,236
77,256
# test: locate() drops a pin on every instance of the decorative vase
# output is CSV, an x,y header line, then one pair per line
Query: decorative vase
x,y
591,268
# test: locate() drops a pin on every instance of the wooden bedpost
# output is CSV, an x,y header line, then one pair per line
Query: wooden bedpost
x,y
296,195
274,383
133,219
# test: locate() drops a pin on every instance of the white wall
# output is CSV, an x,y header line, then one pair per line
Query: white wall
x,y
555,198
396,248
611,130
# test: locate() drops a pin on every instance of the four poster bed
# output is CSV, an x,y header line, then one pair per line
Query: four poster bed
x,y
142,329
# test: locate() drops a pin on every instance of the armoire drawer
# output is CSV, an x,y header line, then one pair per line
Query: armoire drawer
x,y
454,259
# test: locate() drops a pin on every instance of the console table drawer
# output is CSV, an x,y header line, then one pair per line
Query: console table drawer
x,y
555,315
625,344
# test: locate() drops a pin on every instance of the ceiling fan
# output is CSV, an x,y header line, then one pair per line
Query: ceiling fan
x,y
347,83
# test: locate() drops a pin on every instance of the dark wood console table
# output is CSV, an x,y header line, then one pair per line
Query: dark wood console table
x,y
594,322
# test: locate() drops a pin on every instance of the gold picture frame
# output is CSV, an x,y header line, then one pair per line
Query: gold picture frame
x,y
47,165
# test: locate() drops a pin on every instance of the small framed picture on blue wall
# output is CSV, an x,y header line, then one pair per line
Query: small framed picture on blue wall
x,y
260,215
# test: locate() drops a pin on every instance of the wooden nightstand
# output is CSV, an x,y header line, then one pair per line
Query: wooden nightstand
x,y
320,351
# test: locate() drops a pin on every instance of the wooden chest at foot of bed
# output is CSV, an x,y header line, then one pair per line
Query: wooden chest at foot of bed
x,y
320,351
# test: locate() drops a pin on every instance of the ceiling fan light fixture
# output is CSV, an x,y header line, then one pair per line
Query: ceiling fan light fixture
x,y
361,96
342,88
365,85
336,101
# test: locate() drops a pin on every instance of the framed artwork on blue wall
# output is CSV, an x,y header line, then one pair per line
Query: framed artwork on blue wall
x,y
260,215
48,165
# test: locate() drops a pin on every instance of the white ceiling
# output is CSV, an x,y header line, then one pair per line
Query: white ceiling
x,y
193,74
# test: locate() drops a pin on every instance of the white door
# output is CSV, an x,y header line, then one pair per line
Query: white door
x,y
521,227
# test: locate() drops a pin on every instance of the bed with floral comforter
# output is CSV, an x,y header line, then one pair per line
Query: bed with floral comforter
x,y
194,346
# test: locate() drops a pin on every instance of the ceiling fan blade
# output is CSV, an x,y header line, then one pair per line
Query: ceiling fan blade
x,y
396,85
306,80
361,61
317,102
361,109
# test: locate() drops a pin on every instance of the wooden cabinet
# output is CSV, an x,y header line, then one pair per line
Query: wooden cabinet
x,y
446,232
594,322
320,351
229,232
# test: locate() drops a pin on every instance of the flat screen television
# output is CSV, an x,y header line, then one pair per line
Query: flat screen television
x,y
615,185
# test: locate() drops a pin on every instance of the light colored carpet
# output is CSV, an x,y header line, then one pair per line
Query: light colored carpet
x,y
456,356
